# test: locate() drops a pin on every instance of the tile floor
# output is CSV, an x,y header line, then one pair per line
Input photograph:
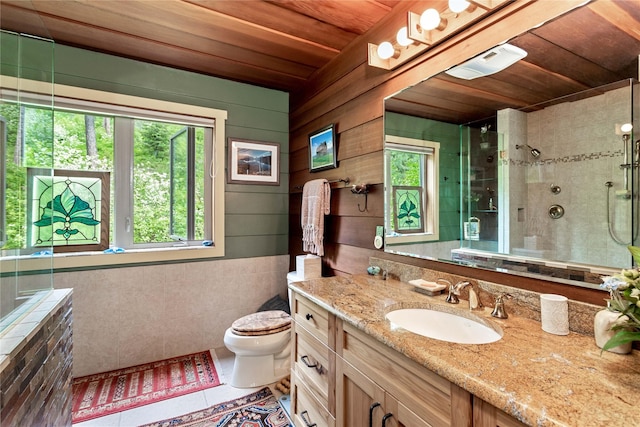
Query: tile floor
x,y
182,404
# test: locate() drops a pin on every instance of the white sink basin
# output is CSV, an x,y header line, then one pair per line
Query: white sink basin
x,y
442,326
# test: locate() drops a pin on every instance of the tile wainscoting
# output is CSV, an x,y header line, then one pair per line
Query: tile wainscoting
x,y
133,315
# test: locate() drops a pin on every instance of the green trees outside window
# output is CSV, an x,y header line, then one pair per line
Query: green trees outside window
x,y
168,178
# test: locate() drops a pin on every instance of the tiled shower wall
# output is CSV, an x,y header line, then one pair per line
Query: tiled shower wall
x,y
580,153
133,315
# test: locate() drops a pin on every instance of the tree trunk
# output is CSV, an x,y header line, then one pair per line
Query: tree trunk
x,y
106,124
90,131
17,153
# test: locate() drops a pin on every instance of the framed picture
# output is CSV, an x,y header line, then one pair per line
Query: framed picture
x,y
408,215
322,149
253,162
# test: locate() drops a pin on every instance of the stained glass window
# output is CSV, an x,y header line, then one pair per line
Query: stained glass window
x,y
69,210
408,213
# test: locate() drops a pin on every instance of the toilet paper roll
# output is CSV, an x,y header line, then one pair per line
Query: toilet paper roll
x,y
554,314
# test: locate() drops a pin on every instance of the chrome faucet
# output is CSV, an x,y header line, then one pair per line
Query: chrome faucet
x,y
454,291
499,310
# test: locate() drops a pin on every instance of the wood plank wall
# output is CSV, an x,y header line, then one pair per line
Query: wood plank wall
x,y
350,94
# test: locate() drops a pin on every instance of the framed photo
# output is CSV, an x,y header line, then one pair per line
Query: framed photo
x,y
253,162
408,214
322,149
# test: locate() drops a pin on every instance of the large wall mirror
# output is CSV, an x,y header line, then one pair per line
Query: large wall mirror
x,y
537,169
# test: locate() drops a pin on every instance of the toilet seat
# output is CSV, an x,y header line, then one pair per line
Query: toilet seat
x,y
262,323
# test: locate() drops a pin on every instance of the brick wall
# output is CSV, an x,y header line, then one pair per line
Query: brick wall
x,y
36,362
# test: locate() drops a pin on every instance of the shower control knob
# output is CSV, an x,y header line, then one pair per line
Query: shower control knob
x,y
556,211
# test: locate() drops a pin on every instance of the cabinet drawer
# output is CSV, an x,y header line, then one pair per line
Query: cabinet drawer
x,y
306,410
313,365
312,317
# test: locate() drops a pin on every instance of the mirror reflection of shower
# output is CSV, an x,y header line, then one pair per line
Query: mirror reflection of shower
x,y
534,151
625,193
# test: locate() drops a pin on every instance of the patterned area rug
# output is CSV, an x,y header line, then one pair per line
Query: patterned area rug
x,y
259,409
109,392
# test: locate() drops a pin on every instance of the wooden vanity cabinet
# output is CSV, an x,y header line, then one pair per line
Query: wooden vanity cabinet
x,y
402,392
313,365
342,377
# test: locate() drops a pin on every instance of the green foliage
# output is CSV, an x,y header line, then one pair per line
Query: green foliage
x,y
60,143
624,289
152,139
151,190
405,168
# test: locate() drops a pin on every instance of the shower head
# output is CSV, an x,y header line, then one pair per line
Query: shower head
x,y
534,151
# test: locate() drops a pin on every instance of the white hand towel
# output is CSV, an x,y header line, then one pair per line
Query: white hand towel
x,y
316,203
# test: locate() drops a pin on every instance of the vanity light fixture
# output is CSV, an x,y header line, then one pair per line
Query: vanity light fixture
x,y
386,50
459,6
402,37
431,20
427,28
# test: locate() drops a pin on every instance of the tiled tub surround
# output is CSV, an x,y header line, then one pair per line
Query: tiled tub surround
x,y
133,315
580,152
35,365
538,378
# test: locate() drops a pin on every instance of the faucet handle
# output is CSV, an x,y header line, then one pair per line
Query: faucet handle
x,y
501,296
454,291
499,310
452,298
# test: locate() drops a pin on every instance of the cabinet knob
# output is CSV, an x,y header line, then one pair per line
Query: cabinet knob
x,y
309,316
304,415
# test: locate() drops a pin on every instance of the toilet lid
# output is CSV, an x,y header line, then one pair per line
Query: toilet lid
x,y
262,323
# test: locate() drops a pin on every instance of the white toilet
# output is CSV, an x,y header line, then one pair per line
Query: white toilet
x,y
262,346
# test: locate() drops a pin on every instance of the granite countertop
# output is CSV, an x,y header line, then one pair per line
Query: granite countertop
x,y
539,378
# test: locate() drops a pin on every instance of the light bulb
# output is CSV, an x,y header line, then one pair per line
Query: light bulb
x,y
385,50
402,38
430,19
626,128
457,6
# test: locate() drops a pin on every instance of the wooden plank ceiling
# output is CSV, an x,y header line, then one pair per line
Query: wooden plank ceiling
x,y
280,44
277,43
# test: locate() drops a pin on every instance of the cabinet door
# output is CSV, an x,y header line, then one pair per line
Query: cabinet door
x,y
402,416
359,401
362,403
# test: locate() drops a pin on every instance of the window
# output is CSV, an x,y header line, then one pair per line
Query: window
x,y
411,196
163,163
